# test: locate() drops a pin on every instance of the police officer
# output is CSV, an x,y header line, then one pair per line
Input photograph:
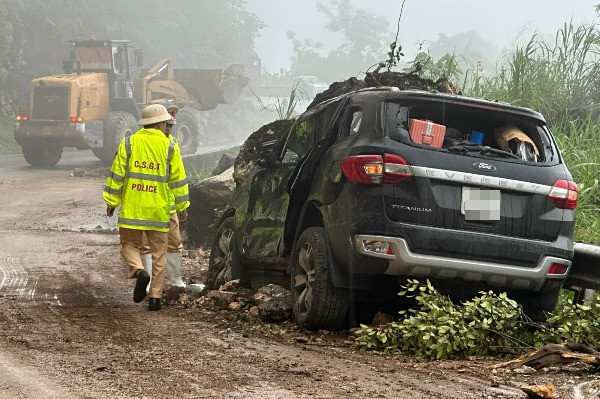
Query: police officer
x,y
174,245
146,171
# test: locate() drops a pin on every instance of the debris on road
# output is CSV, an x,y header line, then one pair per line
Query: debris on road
x,y
553,354
540,391
274,303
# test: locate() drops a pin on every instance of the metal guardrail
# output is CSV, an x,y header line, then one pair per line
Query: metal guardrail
x,y
585,269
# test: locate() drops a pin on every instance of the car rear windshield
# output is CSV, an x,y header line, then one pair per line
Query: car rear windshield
x,y
470,129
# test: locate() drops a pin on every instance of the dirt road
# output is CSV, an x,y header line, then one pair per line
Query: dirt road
x,y
69,327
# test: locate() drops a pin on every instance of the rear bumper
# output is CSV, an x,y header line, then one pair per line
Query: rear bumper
x,y
80,135
402,261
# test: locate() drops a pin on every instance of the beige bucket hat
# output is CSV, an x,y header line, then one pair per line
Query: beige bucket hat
x,y
154,113
172,109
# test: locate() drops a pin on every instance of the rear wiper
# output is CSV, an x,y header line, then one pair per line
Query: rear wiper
x,y
482,149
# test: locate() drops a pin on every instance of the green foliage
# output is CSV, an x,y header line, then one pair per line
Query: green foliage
x,y
560,80
394,55
573,322
579,144
286,108
35,34
554,79
424,65
441,329
490,324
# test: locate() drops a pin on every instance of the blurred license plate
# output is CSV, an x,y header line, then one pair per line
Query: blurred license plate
x,y
47,130
480,204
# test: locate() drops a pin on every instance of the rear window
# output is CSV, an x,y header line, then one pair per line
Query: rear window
x,y
464,129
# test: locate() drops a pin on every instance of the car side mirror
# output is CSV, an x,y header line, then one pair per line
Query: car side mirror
x,y
139,58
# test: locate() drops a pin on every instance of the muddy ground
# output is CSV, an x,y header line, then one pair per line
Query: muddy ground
x,y
70,329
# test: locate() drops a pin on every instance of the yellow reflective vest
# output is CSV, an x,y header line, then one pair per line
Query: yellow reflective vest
x,y
145,173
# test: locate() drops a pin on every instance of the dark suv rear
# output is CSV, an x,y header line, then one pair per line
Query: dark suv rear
x,y
382,184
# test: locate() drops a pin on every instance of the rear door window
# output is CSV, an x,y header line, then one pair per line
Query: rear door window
x,y
300,141
351,122
460,128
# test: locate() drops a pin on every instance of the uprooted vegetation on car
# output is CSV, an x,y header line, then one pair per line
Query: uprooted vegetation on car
x,y
490,324
256,146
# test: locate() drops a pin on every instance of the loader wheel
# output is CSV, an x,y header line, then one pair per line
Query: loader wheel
x,y
187,132
42,154
317,304
224,263
117,126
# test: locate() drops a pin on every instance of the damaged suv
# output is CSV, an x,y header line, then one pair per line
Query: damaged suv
x,y
379,185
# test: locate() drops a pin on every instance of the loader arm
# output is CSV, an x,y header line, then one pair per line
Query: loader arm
x,y
161,91
202,89
162,69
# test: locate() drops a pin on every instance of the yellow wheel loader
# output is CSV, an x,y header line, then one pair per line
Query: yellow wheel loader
x,y
96,102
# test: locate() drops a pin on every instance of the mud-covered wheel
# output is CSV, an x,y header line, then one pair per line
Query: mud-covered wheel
x,y
317,303
117,126
42,154
538,305
187,132
224,264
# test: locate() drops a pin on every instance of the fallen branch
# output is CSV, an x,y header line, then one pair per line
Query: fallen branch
x,y
553,354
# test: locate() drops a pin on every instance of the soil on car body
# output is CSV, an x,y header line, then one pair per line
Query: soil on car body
x,y
259,142
70,329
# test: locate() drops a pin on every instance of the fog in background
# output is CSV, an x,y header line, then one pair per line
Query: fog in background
x,y
484,27
274,40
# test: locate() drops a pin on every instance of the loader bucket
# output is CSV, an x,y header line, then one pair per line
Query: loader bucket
x,y
211,87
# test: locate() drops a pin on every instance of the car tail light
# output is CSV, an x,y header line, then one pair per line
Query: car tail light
x,y
558,269
395,169
76,119
564,194
376,169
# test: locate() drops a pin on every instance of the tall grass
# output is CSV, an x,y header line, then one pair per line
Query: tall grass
x,y
561,80
579,144
556,79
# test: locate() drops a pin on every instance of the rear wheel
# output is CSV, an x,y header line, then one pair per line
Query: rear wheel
x,y
224,264
117,126
186,131
538,305
317,303
42,154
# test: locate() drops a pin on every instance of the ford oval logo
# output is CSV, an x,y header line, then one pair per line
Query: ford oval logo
x,y
484,166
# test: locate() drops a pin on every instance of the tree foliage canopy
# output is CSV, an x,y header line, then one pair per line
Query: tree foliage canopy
x,y
365,42
35,34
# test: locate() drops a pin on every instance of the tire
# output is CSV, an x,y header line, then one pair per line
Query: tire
x,y
317,304
538,305
224,264
117,126
187,132
42,154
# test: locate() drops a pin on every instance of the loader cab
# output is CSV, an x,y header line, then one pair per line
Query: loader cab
x,y
116,58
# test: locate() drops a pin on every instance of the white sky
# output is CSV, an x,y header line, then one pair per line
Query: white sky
x,y
500,22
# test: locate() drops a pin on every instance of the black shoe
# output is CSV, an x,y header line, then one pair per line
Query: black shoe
x,y
154,304
139,292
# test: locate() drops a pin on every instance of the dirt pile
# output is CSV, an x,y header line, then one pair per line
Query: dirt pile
x,y
271,303
260,142
403,81
257,146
